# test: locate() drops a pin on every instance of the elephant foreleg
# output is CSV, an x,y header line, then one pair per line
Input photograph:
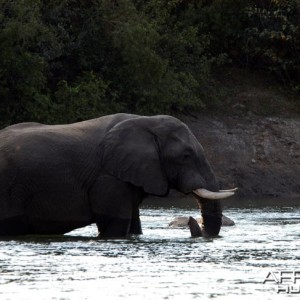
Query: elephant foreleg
x,y
114,219
115,206
135,226
112,226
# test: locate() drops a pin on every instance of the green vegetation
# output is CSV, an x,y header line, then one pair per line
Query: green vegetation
x,y
68,60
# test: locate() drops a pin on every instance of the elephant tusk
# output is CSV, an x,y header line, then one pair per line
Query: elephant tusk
x,y
203,193
231,190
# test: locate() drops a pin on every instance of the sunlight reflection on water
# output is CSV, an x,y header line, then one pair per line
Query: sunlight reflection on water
x,y
163,263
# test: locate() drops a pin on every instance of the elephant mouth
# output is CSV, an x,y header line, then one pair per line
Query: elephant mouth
x,y
221,194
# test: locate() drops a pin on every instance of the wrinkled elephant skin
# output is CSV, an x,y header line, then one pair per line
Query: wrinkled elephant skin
x,y
55,178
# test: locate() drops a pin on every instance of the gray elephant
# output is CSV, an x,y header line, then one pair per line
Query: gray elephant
x,y
56,178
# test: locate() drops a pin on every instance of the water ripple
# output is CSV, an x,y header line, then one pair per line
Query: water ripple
x,y
162,263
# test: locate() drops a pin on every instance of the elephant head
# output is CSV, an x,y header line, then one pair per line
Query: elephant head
x,y
158,153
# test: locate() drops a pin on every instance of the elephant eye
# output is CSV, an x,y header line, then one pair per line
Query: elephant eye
x,y
186,155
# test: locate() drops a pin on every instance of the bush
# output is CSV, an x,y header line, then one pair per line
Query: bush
x,y
272,38
257,34
22,66
89,98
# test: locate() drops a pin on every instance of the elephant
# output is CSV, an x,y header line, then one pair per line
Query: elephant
x,y
56,178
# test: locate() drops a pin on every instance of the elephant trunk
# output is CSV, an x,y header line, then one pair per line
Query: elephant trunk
x,y
211,211
210,206
209,198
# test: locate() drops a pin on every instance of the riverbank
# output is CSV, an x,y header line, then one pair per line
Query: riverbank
x,y
253,139
260,155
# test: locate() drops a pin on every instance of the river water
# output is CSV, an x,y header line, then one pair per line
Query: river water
x,y
163,263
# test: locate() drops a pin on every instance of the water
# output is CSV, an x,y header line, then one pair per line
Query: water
x,y
163,263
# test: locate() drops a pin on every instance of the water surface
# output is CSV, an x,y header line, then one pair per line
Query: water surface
x,y
163,263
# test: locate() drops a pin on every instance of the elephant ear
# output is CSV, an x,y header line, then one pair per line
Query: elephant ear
x,y
129,151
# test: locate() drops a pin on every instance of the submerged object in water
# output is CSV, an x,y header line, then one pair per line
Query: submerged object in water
x,y
183,222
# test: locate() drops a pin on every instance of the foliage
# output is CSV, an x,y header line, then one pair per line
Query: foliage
x,y
83,100
258,34
273,37
22,67
68,60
